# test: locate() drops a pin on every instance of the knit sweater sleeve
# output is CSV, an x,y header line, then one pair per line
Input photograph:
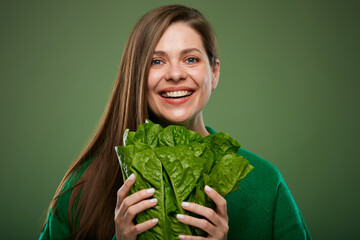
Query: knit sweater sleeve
x,y
57,224
264,208
288,222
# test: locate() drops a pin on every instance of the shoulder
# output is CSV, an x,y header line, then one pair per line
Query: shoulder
x,y
262,168
263,180
265,191
251,208
262,183
57,224
71,182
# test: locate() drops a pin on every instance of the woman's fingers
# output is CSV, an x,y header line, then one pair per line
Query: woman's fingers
x,y
203,211
218,200
186,237
128,206
125,189
197,222
215,224
135,198
139,207
142,227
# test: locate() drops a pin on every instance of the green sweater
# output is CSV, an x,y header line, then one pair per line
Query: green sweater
x,y
263,208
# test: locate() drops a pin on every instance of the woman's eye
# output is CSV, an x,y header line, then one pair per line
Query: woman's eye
x,y
191,60
156,62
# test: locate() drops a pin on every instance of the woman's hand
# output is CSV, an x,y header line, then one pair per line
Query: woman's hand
x,y
217,224
128,206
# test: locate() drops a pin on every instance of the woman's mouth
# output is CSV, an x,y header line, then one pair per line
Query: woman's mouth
x,y
176,97
176,94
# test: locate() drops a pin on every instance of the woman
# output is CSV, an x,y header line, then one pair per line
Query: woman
x,y
168,70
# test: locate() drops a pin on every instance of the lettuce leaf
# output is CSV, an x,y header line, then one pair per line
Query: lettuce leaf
x,y
178,163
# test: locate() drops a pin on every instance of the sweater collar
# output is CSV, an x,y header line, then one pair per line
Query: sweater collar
x,y
210,130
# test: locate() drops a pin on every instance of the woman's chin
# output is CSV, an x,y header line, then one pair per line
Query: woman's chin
x,y
175,118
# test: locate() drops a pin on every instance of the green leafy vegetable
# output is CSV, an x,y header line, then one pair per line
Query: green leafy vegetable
x,y
178,163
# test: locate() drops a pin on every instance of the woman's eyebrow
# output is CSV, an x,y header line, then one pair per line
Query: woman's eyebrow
x,y
160,53
190,50
184,51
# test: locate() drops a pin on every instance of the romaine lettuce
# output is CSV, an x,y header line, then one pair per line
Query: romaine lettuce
x,y
178,163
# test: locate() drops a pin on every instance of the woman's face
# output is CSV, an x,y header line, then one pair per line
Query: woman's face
x,y
180,77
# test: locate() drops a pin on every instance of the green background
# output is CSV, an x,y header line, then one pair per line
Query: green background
x,y
288,91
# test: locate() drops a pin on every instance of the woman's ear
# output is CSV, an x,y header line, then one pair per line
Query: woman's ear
x,y
216,74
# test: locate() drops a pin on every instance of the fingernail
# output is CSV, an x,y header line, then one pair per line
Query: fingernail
x,y
180,216
154,200
155,220
181,237
185,204
131,177
150,190
208,189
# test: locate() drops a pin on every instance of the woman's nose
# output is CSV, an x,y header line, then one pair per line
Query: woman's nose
x,y
175,72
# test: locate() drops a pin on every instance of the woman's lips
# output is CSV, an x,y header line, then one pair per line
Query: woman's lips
x,y
177,101
176,95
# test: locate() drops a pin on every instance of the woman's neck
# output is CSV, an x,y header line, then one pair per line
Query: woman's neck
x,y
195,124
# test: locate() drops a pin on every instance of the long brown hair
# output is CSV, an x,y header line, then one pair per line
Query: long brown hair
x,y
127,108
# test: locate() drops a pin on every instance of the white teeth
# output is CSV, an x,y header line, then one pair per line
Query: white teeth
x,y
176,94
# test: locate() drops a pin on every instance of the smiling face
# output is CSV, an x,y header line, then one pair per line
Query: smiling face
x,y
180,78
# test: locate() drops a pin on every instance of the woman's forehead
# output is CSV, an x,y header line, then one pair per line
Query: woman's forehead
x,y
180,37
